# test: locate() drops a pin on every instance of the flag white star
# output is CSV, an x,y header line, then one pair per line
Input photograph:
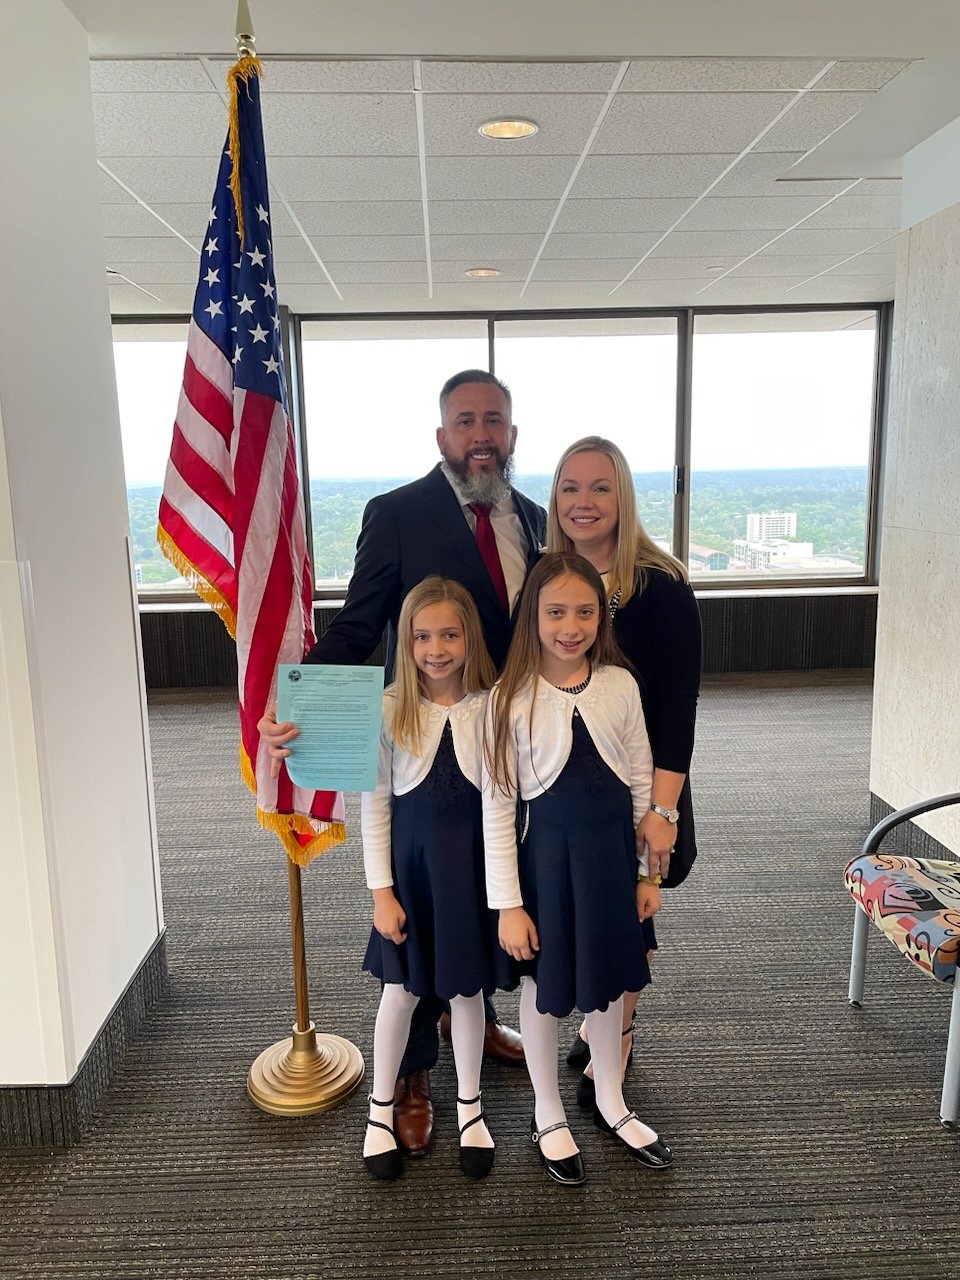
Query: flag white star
x,y
210,246
258,334
271,365
276,321
267,288
262,213
245,304
256,258
214,308
238,265
236,355
213,216
212,276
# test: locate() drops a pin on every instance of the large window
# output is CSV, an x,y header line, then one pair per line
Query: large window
x,y
782,429
149,365
370,399
772,429
590,376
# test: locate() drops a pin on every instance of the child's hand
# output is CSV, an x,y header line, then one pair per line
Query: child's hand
x,y
388,916
649,900
275,735
518,933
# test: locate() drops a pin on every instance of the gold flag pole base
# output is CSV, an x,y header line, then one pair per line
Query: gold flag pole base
x,y
306,1074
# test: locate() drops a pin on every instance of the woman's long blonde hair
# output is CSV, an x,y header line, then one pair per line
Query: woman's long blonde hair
x,y
523,658
635,550
408,685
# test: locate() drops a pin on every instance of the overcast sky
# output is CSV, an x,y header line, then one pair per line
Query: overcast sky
x,y
760,400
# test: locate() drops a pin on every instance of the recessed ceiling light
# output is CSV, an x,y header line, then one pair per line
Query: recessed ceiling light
x,y
509,129
713,270
482,273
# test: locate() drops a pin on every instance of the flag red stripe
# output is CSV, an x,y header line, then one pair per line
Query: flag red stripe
x,y
203,479
207,399
218,571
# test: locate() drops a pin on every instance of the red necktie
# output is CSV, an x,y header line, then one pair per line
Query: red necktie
x,y
487,546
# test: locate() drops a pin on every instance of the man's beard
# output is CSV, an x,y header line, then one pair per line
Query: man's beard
x,y
486,487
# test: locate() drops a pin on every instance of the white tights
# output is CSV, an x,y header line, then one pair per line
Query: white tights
x,y
539,1032
467,1027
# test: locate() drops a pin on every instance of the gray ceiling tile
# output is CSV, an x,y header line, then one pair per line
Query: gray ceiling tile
x,y
518,77
364,273
451,123
310,124
686,123
159,248
620,215
158,124
862,74
484,248
580,245
160,179
478,217
854,210
740,213
159,272
519,177
598,269
719,75
322,76
840,242
813,119
353,249
700,244
158,75
757,174
347,177
358,217
643,177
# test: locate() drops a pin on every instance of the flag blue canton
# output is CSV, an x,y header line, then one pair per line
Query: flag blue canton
x,y
236,299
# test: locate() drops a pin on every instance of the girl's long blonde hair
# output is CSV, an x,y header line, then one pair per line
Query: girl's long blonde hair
x,y
523,658
635,550
408,685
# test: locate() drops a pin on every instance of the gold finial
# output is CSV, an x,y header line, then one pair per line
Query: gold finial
x,y
246,40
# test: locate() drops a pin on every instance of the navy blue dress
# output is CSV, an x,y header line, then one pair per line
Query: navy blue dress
x,y
436,839
578,876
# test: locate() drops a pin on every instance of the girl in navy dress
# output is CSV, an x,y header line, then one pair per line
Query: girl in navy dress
x,y
565,733
433,933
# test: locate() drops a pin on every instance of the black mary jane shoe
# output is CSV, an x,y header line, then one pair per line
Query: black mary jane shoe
x,y
655,1155
579,1052
569,1171
386,1166
475,1162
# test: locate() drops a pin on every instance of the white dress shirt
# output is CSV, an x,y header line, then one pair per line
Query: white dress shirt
x,y
508,531
399,771
611,710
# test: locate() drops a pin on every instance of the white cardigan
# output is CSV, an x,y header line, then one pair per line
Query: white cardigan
x,y
612,712
400,771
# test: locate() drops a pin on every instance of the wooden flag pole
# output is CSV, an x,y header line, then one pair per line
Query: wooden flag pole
x,y
307,1073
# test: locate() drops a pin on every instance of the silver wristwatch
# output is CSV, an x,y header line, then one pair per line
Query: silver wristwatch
x,y
671,815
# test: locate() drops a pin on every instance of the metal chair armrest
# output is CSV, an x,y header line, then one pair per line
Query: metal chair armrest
x,y
872,842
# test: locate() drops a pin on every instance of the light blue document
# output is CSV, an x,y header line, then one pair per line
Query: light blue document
x,y
338,712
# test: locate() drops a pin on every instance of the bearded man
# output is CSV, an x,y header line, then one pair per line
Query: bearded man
x,y
462,520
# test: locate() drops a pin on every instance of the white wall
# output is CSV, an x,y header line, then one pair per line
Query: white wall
x,y
80,893
916,731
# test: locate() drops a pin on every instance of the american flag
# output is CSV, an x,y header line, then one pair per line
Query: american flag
x,y
231,514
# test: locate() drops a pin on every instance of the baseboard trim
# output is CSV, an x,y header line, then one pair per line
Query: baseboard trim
x,y
55,1117
908,837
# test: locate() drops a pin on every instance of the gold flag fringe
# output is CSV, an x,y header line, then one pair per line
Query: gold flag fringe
x,y
287,826
245,69
198,583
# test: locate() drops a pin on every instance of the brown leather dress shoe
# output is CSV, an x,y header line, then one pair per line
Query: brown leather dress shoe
x,y
503,1044
413,1113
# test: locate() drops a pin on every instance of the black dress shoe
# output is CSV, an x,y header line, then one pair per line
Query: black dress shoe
x,y
475,1162
569,1171
386,1166
655,1155
578,1054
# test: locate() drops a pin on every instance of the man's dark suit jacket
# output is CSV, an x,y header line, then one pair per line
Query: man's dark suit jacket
x,y
406,535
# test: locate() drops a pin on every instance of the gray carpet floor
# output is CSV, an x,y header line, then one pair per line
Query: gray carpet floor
x,y
806,1133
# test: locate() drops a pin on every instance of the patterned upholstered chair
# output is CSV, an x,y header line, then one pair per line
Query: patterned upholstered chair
x,y
915,902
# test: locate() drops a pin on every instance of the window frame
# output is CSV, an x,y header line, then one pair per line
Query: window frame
x,y
685,319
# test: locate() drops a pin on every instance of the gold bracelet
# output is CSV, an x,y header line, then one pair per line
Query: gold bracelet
x,y
642,879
